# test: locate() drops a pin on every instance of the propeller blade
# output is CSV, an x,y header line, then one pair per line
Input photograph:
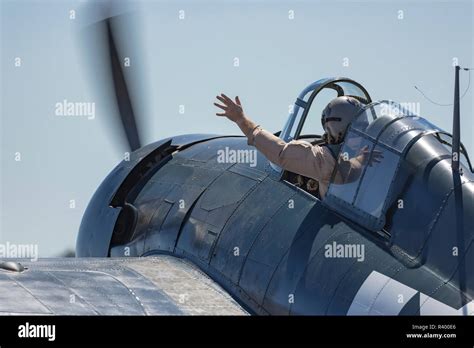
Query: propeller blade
x,y
124,103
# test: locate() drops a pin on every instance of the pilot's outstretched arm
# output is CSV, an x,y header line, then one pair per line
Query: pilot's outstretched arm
x,y
296,156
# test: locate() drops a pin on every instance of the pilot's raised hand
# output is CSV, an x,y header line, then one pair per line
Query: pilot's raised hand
x,y
232,109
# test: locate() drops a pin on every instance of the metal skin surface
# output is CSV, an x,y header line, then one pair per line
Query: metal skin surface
x,y
265,241
125,286
99,219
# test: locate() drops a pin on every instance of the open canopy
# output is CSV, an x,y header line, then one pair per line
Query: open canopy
x,y
342,85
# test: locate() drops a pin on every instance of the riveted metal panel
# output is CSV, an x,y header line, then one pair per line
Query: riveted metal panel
x,y
322,274
245,224
272,244
318,228
164,227
211,212
158,285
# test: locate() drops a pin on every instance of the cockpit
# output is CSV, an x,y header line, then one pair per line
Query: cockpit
x,y
304,121
379,139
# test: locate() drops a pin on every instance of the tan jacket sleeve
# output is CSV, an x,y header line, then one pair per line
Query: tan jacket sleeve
x,y
297,156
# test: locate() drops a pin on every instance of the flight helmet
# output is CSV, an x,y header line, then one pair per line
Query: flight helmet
x,y
337,116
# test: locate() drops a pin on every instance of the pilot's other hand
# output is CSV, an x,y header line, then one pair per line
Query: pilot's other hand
x,y
232,109
365,156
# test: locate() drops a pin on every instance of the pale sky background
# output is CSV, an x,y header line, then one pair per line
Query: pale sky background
x,y
187,62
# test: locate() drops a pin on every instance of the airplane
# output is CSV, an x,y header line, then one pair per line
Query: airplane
x,y
173,230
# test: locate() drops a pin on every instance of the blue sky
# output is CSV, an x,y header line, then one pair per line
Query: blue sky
x,y
187,62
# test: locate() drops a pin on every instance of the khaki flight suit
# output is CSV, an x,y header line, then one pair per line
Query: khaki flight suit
x,y
297,156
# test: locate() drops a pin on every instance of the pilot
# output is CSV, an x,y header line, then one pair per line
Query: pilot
x,y
316,162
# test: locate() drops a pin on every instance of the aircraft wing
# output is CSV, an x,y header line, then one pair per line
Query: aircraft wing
x,y
158,285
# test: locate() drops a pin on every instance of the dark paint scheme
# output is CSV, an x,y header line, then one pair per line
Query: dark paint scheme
x,y
263,239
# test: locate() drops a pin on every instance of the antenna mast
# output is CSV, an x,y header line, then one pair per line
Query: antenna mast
x,y
456,123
